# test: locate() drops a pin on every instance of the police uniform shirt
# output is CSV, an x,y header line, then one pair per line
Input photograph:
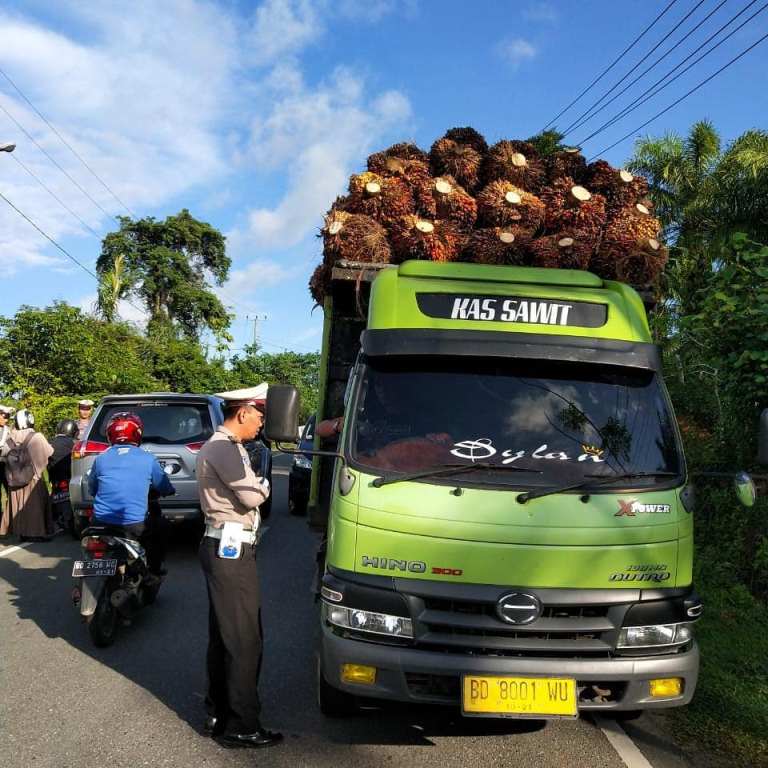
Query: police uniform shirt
x,y
230,491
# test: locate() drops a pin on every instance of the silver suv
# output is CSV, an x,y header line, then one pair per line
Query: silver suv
x,y
175,428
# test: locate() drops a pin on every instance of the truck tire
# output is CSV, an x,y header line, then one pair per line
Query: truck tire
x,y
297,500
102,626
332,701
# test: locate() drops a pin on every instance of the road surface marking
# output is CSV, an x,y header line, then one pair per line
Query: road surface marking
x,y
624,746
15,548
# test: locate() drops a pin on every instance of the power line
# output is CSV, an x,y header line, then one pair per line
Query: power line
x,y
66,143
61,248
611,65
56,197
653,90
585,117
48,237
53,160
683,97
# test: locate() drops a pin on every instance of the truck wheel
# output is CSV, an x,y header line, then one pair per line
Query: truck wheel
x,y
103,624
297,500
332,701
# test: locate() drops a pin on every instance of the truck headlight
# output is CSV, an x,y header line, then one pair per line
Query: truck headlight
x,y
367,621
303,462
655,635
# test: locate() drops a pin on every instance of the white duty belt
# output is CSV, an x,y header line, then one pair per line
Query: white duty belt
x,y
247,536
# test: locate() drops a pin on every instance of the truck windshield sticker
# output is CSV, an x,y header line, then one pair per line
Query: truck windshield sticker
x,y
482,449
512,309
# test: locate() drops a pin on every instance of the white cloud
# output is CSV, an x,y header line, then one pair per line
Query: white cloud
x,y
159,101
541,11
280,27
371,11
141,100
319,135
516,51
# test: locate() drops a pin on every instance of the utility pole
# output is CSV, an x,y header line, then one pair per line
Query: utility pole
x,y
255,319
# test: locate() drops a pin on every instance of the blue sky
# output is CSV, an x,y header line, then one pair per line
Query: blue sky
x,y
252,115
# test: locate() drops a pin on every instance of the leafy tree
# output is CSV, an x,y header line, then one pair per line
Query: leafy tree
x,y
548,142
302,370
167,265
60,351
703,195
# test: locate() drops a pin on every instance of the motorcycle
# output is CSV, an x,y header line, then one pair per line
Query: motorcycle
x,y
61,507
112,581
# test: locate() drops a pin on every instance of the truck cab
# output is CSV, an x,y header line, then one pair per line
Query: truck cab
x,y
509,524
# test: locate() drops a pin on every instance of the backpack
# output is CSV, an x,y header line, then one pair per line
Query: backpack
x,y
19,469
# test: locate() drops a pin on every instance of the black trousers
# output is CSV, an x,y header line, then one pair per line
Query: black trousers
x,y
152,535
234,637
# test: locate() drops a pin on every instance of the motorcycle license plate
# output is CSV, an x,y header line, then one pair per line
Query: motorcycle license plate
x,y
60,497
94,568
519,696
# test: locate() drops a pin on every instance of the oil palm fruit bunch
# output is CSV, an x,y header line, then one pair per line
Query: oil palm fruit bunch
x,y
633,233
568,162
561,251
501,203
392,160
453,203
619,187
320,283
571,206
459,154
416,238
384,199
355,237
516,162
644,266
498,245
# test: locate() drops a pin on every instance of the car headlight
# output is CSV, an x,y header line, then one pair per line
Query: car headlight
x,y
655,635
303,462
367,621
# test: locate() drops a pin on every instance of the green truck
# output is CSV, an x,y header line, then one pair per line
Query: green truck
x,y
508,515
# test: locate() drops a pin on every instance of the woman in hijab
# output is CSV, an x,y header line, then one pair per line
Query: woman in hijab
x,y
29,507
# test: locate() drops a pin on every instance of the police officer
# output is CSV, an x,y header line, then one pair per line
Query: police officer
x,y
84,413
230,495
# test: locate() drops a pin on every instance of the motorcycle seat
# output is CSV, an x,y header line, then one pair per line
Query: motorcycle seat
x,y
105,529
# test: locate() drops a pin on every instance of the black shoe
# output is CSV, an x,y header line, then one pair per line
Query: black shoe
x,y
259,738
213,726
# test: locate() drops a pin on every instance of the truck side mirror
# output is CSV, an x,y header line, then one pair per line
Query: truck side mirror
x,y
282,418
745,489
762,439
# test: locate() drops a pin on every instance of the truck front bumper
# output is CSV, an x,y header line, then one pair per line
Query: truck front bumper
x,y
423,676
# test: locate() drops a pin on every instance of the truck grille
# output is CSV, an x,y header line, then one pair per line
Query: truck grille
x,y
471,626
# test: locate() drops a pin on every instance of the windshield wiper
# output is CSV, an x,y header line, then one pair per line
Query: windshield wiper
x,y
588,484
446,469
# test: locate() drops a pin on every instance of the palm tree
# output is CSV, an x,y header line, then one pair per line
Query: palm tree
x,y
703,195
112,286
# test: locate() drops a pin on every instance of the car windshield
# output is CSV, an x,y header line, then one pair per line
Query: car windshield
x,y
164,423
567,421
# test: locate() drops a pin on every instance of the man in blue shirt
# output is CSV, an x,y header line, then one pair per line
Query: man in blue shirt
x,y
120,482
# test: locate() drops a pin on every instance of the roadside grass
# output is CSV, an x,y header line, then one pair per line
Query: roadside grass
x,y
729,713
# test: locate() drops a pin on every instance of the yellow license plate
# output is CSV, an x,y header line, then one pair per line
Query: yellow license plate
x,y
519,696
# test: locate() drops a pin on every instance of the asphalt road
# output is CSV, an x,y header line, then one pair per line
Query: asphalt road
x,y
65,703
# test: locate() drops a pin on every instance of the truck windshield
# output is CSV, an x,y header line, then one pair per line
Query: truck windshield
x,y
566,421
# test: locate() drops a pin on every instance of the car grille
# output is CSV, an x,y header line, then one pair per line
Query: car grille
x,y
472,626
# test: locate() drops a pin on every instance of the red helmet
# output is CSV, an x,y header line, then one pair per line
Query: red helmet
x,y
125,428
